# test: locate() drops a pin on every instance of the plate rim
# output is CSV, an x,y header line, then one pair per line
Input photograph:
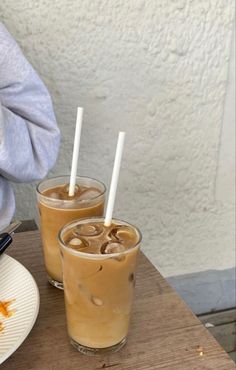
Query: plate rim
x,y
25,334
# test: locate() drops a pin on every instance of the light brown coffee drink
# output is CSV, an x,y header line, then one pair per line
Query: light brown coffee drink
x,y
99,266
57,208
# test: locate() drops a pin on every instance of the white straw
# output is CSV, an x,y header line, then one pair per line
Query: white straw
x,y
114,179
75,156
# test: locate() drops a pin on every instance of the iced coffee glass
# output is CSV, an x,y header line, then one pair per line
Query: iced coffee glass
x,y
57,208
99,266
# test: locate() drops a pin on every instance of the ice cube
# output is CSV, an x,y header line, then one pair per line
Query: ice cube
x,y
85,291
55,195
123,234
65,188
110,247
77,243
64,192
72,204
88,230
89,194
97,301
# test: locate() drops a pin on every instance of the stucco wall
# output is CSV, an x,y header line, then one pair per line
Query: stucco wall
x,y
225,180
158,70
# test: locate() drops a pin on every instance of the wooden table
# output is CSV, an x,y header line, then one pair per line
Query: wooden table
x,y
164,333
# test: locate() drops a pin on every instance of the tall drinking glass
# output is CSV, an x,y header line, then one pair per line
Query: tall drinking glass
x,y
57,208
99,265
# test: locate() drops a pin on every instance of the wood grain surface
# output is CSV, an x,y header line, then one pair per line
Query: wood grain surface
x,y
164,333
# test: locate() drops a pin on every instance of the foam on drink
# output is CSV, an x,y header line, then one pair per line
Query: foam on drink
x,y
112,239
81,192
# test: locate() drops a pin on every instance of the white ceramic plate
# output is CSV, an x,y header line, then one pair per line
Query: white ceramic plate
x,y
16,283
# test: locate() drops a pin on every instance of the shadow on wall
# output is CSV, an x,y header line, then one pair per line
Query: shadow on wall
x,y
206,291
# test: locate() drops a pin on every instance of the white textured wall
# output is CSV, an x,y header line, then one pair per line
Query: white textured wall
x,y
157,69
225,181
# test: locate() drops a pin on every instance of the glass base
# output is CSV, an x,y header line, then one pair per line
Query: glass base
x,y
97,351
55,283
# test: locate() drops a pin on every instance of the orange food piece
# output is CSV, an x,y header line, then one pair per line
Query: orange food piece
x,y
5,311
4,308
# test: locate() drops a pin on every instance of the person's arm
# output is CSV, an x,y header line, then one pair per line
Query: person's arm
x,y
29,136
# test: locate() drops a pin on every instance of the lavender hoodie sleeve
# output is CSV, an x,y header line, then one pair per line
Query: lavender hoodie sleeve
x,y
29,136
